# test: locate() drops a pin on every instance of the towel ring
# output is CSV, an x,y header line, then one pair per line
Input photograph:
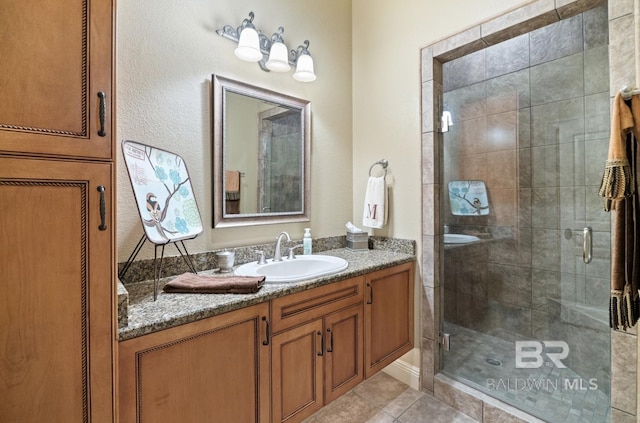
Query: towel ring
x,y
384,163
628,92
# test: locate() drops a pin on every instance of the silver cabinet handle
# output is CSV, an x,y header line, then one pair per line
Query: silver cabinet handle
x,y
587,245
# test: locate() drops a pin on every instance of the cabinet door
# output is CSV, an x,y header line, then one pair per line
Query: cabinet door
x,y
344,342
57,323
212,370
388,316
56,56
297,376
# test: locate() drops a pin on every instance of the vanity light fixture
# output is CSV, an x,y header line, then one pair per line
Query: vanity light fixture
x,y
304,69
278,54
270,53
248,44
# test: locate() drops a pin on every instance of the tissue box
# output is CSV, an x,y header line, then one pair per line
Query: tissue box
x,y
357,240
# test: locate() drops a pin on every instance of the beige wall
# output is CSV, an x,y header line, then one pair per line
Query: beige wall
x,y
386,101
386,92
166,53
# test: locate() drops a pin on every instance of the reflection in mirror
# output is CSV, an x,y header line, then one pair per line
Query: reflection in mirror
x,y
261,149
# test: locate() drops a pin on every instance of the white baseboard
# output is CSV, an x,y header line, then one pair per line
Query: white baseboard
x,y
405,372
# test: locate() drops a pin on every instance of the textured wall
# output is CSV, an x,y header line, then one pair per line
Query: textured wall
x,y
166,53
387,38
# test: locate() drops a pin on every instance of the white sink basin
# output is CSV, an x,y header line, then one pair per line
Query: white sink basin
x,y
301,268
459,238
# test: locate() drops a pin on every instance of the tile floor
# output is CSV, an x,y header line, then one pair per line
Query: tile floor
x,y
383,399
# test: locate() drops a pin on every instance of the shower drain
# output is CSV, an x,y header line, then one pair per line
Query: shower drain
x,y
494,362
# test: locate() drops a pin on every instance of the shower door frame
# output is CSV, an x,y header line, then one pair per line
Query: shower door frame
x,y
624,64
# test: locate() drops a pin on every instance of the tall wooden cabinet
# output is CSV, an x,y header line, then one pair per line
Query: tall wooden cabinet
x,y
57,250
56,85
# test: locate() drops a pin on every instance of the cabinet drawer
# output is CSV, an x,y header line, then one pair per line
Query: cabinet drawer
x,y
301,307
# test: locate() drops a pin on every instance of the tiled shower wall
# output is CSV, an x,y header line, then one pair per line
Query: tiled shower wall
x,y
623,58
531,119
280,185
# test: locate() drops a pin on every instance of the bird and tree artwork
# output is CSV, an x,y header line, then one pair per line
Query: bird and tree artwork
x,y
163,193
468,198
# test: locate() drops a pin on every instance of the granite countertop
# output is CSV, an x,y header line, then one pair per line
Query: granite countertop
x,y
169,310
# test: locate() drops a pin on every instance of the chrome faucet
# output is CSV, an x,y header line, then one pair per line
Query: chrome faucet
x,y
291,255
277,256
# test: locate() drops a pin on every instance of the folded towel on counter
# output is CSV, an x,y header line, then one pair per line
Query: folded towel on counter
x,y
198,284
375,203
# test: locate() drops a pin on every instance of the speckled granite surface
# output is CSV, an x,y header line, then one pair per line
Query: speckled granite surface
x,y
142,270
123,305
146,316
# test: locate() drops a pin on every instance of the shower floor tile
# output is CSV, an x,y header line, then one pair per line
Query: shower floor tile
x,y
557,395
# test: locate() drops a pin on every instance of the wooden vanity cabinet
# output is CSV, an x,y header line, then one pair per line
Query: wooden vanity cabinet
x,y
389,295
297,372
211,370
344,350
227,368
317,348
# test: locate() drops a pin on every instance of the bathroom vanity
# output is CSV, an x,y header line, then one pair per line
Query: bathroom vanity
x,y
278,355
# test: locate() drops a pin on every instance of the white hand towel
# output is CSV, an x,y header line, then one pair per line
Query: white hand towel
x,y
375,203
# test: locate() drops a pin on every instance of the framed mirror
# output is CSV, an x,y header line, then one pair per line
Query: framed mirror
x,y
261,155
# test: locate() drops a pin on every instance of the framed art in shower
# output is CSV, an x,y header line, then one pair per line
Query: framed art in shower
x,y
468,198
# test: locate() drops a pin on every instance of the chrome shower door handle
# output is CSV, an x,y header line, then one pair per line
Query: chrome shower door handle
x,y
587,245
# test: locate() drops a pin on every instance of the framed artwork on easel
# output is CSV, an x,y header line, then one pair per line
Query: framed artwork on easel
x,y
165,201
163,193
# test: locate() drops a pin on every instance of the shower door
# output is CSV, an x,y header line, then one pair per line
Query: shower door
x,y
526,306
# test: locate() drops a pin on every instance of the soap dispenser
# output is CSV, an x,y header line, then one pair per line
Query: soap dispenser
x,y
306,241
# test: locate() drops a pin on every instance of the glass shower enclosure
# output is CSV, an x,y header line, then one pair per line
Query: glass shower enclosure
x,y
525,305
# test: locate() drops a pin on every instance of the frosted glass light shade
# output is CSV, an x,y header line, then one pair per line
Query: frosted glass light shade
x,y
278,58
304,69
248,46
